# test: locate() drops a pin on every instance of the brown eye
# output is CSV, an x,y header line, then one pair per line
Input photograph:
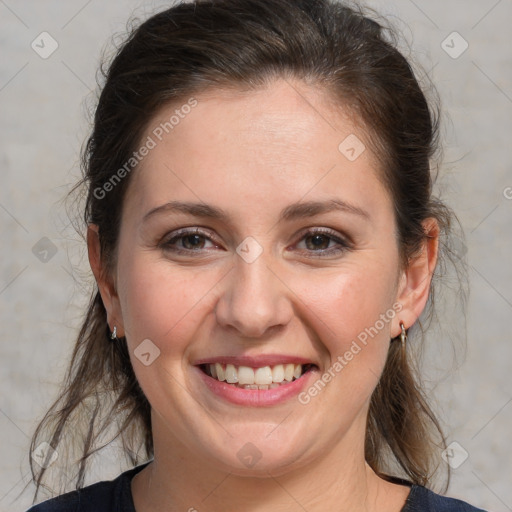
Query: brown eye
x,y
186,242
193,241
318,241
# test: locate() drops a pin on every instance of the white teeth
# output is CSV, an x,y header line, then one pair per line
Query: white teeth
x,y
278,373
231,374
220,372
288,372
263,376
256,378
245,375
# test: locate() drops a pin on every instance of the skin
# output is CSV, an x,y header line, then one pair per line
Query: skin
x,y
252,154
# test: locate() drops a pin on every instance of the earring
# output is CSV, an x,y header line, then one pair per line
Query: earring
x,y
113,336
403,336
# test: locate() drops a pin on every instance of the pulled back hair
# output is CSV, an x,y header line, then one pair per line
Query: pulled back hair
x,y
246,44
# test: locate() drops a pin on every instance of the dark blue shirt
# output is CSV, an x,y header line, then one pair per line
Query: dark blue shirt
x,y
116,496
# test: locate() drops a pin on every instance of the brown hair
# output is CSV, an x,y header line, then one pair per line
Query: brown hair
x,y
246,44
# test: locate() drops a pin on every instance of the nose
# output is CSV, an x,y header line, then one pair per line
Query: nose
x,y
255,300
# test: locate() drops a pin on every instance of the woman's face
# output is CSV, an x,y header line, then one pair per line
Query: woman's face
x,y
267,280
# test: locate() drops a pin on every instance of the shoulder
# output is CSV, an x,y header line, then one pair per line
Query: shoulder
x,y
105,496
99,497
422,499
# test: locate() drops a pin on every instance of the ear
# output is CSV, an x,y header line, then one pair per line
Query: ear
x,y
414,286
106,285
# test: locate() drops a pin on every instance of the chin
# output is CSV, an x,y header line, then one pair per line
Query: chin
x,y
257,455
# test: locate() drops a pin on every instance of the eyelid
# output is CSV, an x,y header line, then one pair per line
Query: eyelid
x,y
341,238
188,231
344,242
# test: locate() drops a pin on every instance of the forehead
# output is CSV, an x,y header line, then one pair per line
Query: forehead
x,y
280,142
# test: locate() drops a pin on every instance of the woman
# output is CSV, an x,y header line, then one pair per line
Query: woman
x,y
262,232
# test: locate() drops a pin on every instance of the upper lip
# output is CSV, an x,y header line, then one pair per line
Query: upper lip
x,y
255,361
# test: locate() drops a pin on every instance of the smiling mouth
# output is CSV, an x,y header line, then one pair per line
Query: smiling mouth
x,y
266,377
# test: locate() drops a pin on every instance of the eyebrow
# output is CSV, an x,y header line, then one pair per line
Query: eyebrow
x,y
291,212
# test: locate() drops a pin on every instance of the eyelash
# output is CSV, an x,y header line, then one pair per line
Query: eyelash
x,y
345,245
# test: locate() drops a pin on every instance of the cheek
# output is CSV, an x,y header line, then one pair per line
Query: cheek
x,y
350,314
348,302
346,316
162,302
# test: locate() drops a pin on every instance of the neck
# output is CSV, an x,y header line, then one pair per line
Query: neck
x,y
178,480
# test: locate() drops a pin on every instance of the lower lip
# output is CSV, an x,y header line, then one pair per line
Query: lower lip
x,y
256,397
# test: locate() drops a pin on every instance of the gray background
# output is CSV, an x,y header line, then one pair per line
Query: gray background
x,y
44,122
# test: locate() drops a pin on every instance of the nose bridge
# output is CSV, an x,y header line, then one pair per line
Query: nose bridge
x,y
254,299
